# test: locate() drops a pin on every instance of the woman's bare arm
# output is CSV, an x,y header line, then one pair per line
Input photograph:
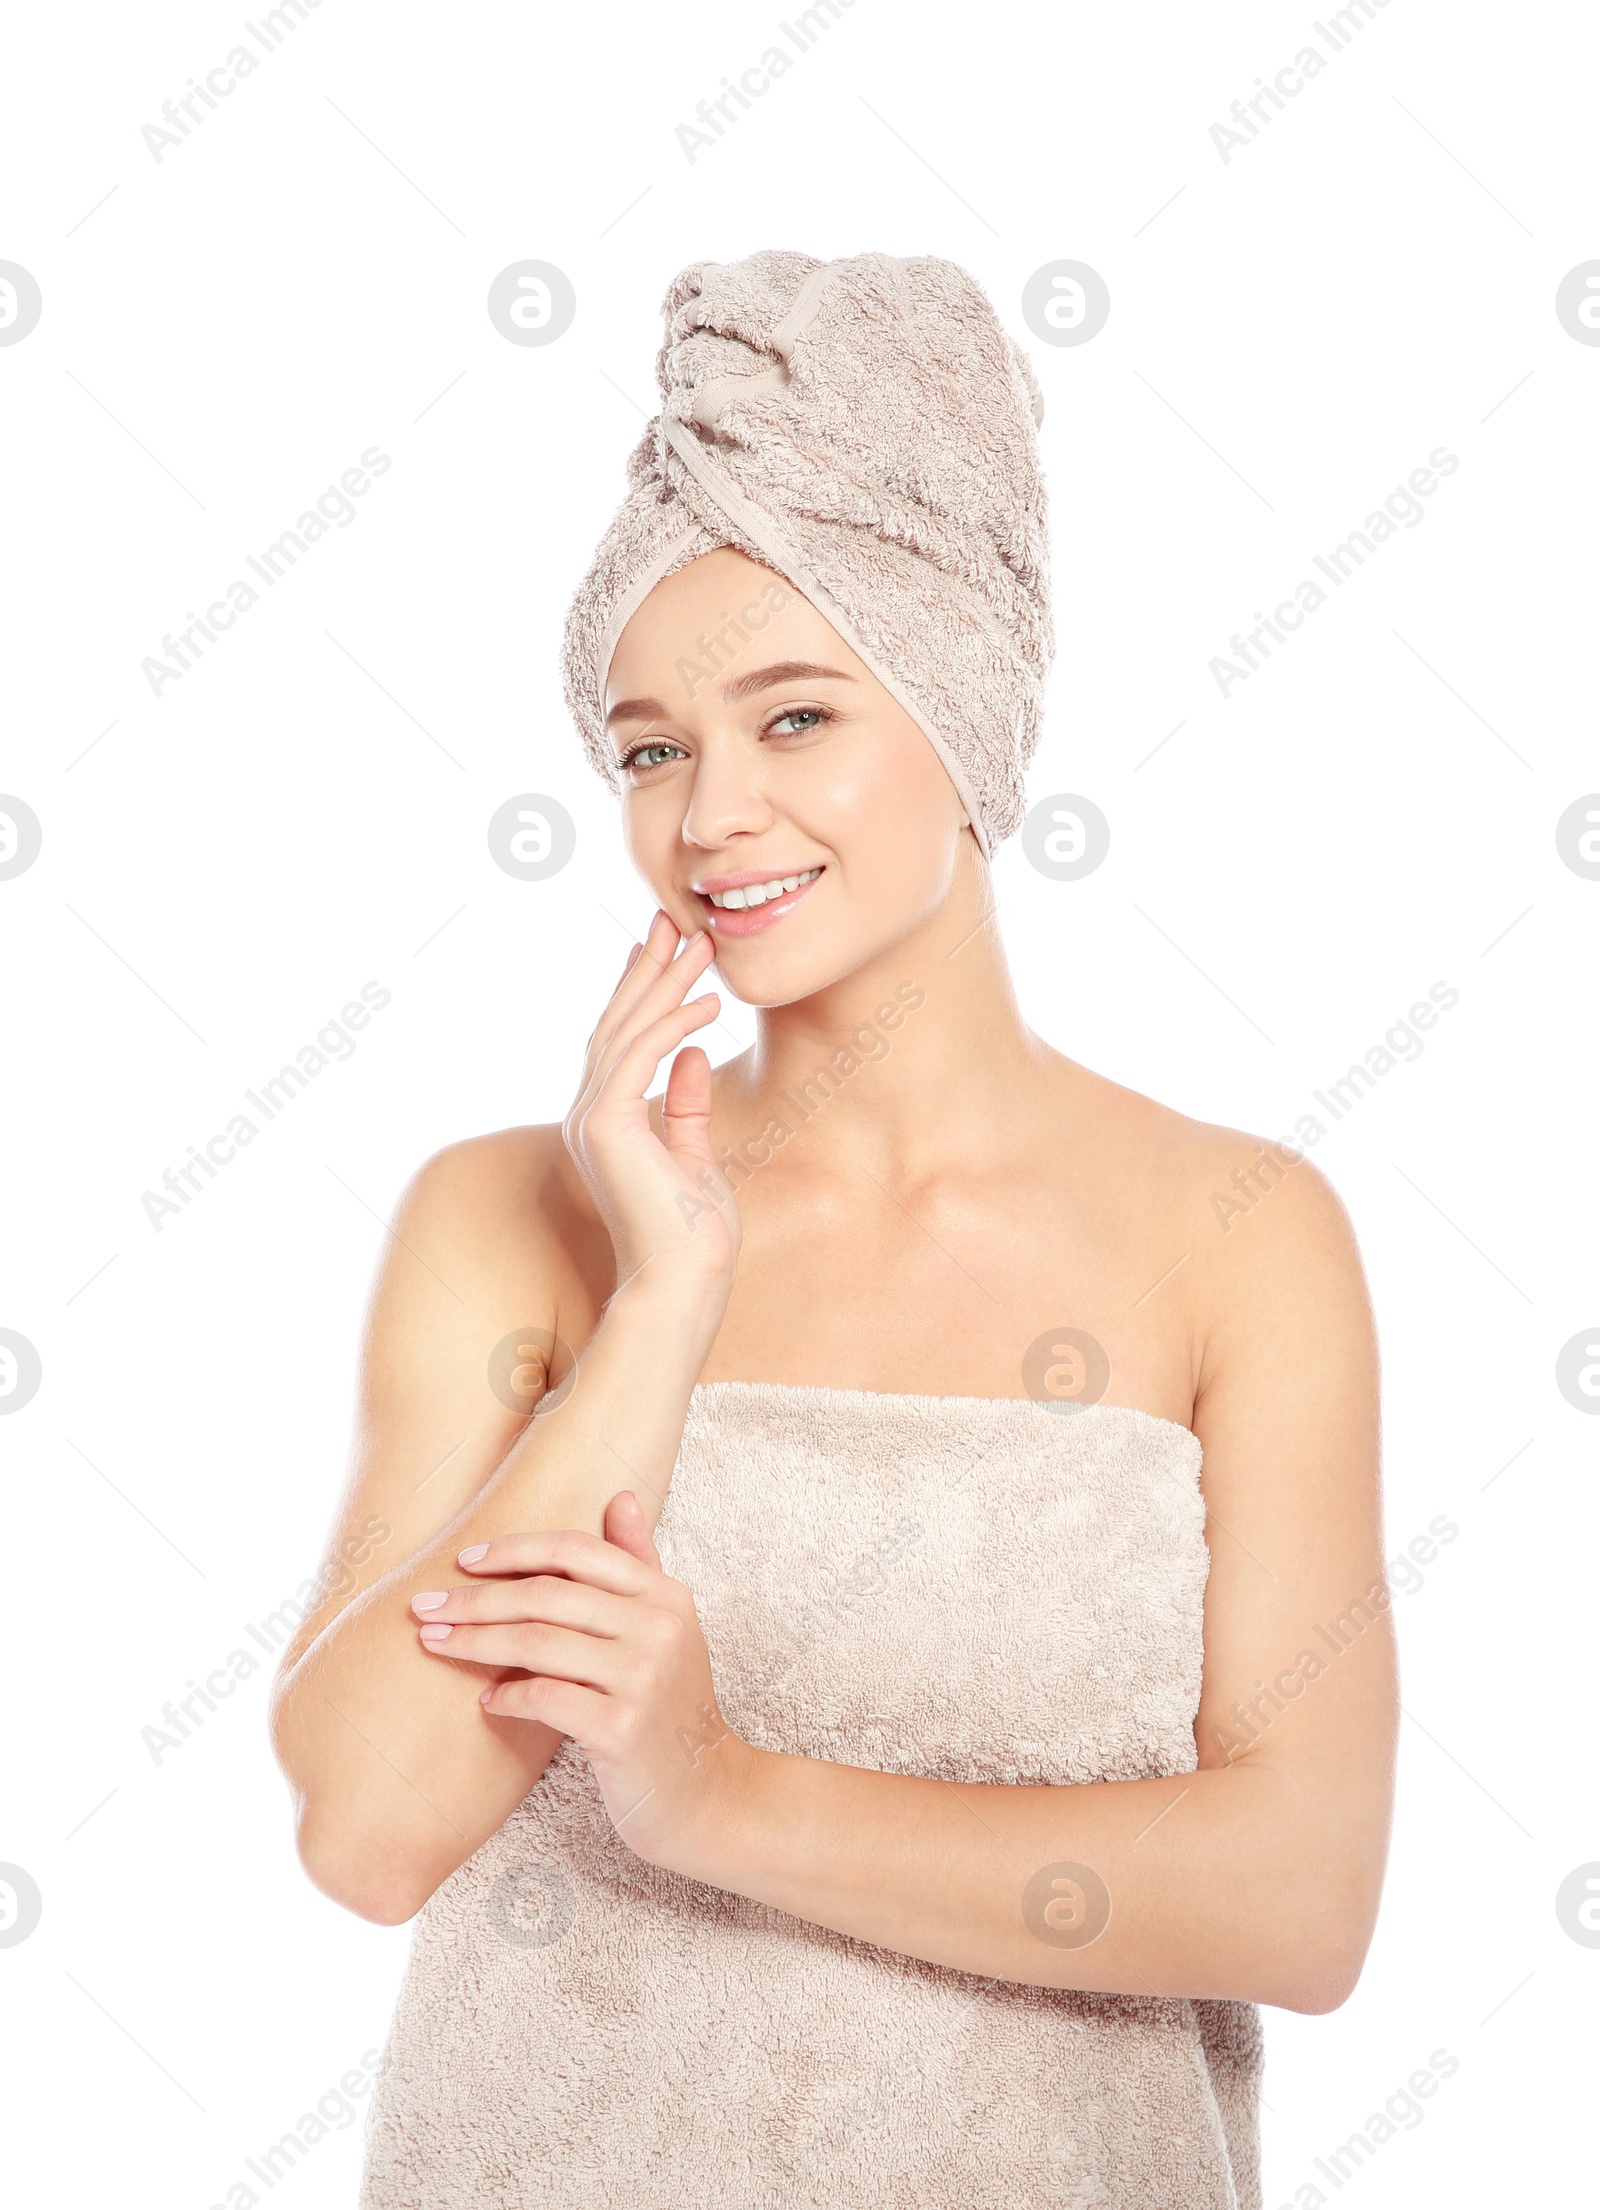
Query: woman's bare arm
x,y
398,1773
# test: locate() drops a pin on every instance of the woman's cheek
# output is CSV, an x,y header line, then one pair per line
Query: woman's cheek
x,y
652,836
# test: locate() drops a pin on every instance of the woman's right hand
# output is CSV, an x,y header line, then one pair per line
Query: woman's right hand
x,y
666,1204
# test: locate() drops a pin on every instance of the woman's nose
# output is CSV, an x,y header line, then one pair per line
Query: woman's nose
x,y
727,799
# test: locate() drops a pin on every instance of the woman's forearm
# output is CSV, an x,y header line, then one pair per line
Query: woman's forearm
x,y
1236,1882
398,1772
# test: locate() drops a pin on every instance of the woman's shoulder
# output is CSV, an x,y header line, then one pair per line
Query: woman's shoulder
x,y
1275,1260
1240,1201
1256,1259
504,1201
474,1170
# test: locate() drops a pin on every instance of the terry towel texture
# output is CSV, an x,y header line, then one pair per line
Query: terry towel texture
x,y
579,2028
866,427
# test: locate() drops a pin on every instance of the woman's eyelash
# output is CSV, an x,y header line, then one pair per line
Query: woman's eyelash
x,y
819,714
646,744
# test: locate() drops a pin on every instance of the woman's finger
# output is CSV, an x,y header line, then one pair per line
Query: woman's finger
x,y
686,1107
659,1004
658,976
566,1550
595,1660
607,1013
627,1528
546,1597
584,1713
633,1069
618,1100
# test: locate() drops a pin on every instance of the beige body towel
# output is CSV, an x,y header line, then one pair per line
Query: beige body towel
x,y
966,1586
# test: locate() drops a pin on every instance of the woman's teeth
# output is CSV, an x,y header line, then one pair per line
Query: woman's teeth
x,y
758,893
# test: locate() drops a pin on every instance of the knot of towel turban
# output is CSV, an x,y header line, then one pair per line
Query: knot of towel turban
x,y
868,429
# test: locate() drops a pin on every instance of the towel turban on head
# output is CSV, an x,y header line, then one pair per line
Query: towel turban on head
x,y
868,429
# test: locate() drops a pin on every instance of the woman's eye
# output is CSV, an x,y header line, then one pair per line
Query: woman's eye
x,y
810,714
648,755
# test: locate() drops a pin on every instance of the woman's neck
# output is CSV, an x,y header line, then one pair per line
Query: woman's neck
x,y
914,1056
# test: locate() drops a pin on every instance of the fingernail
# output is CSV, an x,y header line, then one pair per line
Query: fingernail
x,y
437,1632
632,956
430,1599
488,1692
471,1557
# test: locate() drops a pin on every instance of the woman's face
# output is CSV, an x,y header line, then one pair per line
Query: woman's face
x,y
757,747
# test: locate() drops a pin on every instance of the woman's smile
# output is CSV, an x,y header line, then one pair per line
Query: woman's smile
x,y
744,903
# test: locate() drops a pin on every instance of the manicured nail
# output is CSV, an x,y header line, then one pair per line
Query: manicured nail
x,y
437,1632
471,1557
488,1692
430,1599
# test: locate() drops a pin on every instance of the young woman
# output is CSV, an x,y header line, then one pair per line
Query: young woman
x,y
921,1676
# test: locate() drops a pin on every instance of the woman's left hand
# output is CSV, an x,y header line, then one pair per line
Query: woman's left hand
x,y
616,1659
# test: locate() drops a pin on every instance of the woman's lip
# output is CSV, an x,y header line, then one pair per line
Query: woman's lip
x,y
724,921
718,883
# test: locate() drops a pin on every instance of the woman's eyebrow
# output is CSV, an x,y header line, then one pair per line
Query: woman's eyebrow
x,y
784,671
635,709
740,686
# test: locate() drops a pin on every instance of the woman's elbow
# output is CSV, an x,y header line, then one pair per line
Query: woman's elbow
x,y
342,1851
1324,1883
383,1891
1319,1983
1319,1962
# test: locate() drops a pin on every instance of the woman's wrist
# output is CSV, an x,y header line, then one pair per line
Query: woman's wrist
x,y
669,1310
630,1392
720,1839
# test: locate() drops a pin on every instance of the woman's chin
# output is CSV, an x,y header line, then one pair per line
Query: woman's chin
x,y
765,976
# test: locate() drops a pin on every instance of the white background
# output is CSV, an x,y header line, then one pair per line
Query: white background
x,y
1291,333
